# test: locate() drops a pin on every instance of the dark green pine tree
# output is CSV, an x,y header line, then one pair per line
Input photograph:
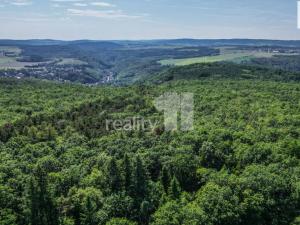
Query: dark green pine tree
x,y
88,216
145,212
76,213
127,173
51,211
34,207
43,209
174,189
140,180
42,196
165,178
114,176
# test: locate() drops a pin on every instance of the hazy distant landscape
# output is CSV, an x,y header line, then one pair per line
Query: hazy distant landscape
x,y
124,62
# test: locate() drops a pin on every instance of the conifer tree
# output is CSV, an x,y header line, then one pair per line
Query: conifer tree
x,y
127,173
145,212
174,189
165,178
114,176
34,209
88,217
140,179
43,209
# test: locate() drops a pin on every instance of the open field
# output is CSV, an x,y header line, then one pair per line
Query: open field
x,y
70,61
10,54
225,55
13,49
12,63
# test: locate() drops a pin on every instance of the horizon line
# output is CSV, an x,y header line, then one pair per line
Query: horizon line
x,y
154,39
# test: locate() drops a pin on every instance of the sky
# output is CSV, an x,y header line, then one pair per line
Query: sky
x,y
148,19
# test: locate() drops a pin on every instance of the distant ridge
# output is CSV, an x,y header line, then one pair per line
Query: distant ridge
x,y
170,42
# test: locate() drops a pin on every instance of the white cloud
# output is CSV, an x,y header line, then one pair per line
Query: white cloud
x,y
34,18
56,5
102,4
21,2
66,0
80,4
107,14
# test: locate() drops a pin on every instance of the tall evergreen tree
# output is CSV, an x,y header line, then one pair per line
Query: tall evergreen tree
x,y
127,173
43,209
174,189
165,178
145,212
34,208
140,179
88,217
114,176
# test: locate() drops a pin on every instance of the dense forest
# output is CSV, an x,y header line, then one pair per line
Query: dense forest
x,y
223,70
60,165
287,63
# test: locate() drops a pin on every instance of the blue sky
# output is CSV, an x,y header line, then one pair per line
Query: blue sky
x,y
148,19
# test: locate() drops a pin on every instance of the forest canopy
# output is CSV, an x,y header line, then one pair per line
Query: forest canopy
x,y
60,166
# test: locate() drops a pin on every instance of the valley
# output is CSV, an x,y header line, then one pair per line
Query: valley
x,y
123,62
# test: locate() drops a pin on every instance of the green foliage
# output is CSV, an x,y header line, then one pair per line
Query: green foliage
x,y
127,167
120,221
59,164
114,176
88,216
7,217
171,213
219,203
165,178
174,189
139,179
223,70
296,221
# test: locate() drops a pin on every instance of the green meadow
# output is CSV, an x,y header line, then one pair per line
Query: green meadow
x,y
224,56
